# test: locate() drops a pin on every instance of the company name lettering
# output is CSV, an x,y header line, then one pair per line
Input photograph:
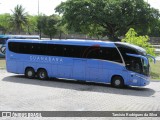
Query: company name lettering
x,y
46,59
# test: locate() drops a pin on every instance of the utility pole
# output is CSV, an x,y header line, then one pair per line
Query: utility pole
x,y
39,31
38,7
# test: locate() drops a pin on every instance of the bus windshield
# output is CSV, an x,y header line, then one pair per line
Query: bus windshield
x,y
138,63
145,67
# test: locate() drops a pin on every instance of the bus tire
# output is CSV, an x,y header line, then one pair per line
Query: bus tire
x,y
30,73
117,82
42,74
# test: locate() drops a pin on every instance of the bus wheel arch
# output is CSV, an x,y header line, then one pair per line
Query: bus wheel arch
x,y
42,74
117,81
30,72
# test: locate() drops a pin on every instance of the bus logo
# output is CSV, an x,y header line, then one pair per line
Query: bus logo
x,y
3,49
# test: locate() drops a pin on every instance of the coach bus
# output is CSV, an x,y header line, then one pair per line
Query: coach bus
x,y
93,61
4,38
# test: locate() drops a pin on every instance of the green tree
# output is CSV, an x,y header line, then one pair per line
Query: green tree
x,y
111,18
155,29
31,27
50,28
4,23
61,27
41,23
142,41
48,25
19,18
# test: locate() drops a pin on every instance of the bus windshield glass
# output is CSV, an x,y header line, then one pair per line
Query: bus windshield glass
x,y
145,67
138,64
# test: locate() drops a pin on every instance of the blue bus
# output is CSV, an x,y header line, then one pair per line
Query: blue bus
x,y
4,38
116,63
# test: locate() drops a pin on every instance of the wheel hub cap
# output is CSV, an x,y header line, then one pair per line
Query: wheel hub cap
x,y
42,75
30,73
117,82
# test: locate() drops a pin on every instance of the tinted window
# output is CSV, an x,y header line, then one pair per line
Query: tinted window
x,y
47,49
64,50
39,49
124,50
14,47
134,64
102,53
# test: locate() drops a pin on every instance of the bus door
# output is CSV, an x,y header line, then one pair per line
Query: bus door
x,y
79,69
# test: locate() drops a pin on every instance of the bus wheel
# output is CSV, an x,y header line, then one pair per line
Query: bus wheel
x,y
117,82
42,74
30,73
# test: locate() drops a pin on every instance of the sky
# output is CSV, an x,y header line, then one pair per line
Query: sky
x,y
45,6
31,6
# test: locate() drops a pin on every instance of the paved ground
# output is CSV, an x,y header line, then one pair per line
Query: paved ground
x,y
21,94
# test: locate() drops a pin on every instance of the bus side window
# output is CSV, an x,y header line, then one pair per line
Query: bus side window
x,y
71,51
13,47
93,53
35,49
66,52
24,48
59,50
110,54
50,49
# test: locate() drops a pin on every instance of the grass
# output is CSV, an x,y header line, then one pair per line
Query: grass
x,y
2,63
155,68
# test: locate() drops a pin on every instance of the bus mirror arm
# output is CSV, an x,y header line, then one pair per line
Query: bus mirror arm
x,y
153,58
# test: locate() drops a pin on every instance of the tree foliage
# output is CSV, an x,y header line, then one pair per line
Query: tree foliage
x,y
4,24
48,25
107,17
19,18
31,27
142,41
155,29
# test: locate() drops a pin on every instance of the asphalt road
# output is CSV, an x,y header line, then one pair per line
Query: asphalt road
x,y
18,93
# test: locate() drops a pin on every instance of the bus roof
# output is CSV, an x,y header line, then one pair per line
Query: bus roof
x,y
69,42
